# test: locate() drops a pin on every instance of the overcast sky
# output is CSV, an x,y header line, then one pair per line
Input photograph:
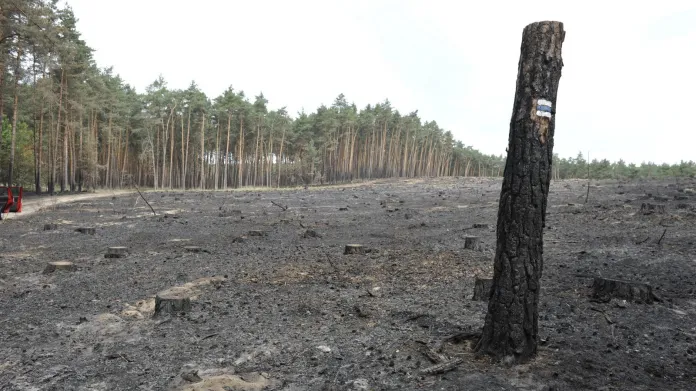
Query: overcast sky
x,y
628,88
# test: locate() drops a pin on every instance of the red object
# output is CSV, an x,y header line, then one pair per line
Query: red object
x,y
11,199
6,199
17,195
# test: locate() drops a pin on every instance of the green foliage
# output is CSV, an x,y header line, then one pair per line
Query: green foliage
x,y
24,154
167,137
604,169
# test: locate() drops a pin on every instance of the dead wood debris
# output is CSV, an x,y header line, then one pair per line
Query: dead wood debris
x,y
662,237
284,208
443,367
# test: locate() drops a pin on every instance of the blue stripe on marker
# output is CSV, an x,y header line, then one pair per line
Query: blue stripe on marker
x,y
544,108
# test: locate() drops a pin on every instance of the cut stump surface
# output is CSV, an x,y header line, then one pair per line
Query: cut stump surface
x,y
59,265
354,249
116,252
172,301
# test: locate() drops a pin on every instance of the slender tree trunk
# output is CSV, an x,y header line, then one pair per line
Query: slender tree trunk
x,y
217,156
107,180
280,154
188,135
13,137
227,150
171,150
256,153
240,155
183,155
40,150
125,152
203,152
80,157
71,141
511,325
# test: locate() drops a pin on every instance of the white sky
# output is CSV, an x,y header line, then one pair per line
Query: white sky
x,y
627,91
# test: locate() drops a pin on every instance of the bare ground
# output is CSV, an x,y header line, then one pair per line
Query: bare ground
x,y
276,307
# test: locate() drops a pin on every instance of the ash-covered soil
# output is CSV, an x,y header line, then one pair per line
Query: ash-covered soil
x,y
275,304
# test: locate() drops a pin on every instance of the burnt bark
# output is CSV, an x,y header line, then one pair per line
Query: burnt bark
x,y
511,326
604,289
482,289
353,249
472,243
171,302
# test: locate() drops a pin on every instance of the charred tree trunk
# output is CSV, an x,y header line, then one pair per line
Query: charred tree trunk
x,y
511,325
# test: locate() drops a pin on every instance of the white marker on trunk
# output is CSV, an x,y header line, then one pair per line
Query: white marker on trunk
x,y
543,108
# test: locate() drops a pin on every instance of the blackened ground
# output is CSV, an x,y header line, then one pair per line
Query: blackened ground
x,y
288,311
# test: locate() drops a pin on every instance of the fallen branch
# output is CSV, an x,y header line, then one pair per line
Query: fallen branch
x,y
434,356
463,336
442,368
608,319
284,208
587,197
643,241
143,197
662,237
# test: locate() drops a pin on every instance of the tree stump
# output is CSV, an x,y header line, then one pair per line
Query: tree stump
x,y
116,252
604,289
648,208
354,249
50,227
482,289
193,249
480,226
472,243
310,233
86,230
171,302
59,265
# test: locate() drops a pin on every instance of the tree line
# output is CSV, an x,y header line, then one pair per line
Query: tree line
x,y
69,125
580,168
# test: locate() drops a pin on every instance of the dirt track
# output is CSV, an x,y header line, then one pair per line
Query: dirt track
x,y
288,311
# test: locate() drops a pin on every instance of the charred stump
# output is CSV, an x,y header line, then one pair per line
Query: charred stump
x,y
59,265
116,252
482,289
604,289
193,249
472,243
86,230
171,302
354,249
510,330
310,233
647,208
